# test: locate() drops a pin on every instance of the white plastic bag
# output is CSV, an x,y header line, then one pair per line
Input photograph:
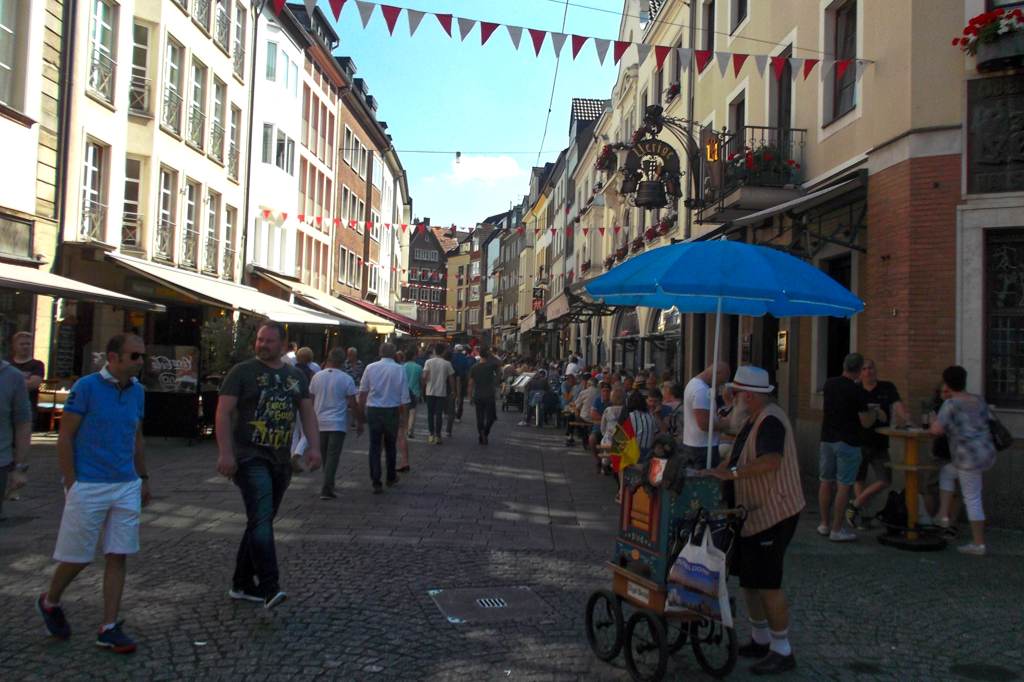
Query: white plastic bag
x,y
697,582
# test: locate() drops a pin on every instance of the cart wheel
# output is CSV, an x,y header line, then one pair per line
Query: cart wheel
x,y
714,646
646,646
604,624
676,633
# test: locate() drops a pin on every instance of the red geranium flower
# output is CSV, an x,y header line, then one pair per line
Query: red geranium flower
x,y
767,157
798,165
791,162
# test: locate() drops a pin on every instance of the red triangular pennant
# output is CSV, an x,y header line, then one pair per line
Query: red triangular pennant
x,y
585,231
352,224
702,57
369,225
284,216
336,6
841,67
403,227
568,230
536,231
617,228
737,63
808,65
618,49
601,230
538,39
778,64
520,230
446,22
336,222
302,218
390,16
577,44
660,52
266,214
278,6
319,220
421,228
486,29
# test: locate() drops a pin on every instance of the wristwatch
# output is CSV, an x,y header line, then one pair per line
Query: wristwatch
x,y
735,473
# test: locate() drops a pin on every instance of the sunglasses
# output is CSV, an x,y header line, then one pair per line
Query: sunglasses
x,y
136,356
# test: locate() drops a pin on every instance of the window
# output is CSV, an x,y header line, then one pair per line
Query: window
x,y
346,151
350,277
238,52
436,296
295,79
268,143
361,216
101,50
289,156
211,244
433,256
458,319
739,13
708,37
220,92
13,49
131,220
197,108
138,93
845,44
236,126
271,61
417,254
94,211
285,69
738,113
164,242
228,266
474,316
375,229
342,262
378,172
474,269
1004,358
304,134
474,292
190,235
363,161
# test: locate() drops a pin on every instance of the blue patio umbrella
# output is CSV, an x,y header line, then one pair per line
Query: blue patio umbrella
x,y
724,277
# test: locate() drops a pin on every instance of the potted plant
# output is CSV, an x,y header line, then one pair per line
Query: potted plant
x,y
671,92
607,160
769,165
622,252
650,234
996,38
584,267
609,261
637,245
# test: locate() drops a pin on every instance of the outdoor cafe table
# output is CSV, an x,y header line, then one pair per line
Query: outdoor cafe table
x,y
911,539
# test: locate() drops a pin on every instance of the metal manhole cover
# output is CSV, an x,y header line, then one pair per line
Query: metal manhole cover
x,y
489,604
984,672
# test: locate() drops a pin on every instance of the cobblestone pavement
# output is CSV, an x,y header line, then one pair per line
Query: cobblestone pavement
x,y
524,511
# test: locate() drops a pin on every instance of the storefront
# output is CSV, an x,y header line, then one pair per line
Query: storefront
x,y
626,341
663,346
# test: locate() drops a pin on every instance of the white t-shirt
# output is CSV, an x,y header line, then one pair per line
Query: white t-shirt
x,y
695,397
438,370
572,368
332,389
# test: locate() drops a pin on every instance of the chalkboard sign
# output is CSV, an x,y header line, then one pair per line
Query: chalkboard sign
x,y
65,359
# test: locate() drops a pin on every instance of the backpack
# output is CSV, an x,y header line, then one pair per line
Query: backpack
x,y
894,514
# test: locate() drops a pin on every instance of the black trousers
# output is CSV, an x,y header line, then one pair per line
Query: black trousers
x,y
486,413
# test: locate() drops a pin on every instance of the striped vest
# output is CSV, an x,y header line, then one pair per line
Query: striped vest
x,y
776,496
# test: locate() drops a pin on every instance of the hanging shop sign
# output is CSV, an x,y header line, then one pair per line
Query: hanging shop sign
x,y
171,369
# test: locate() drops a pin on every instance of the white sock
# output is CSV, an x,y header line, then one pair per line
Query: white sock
x,y
759,632
108,626
780,642
49,604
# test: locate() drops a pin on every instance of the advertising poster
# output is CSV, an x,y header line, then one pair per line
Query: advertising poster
x,y
171,369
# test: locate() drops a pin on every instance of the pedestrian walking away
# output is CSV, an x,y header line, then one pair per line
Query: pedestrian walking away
x,y
334,396
439,383
483,386
763,475
256,417
102,459
461,363
414,373
15,431
383,399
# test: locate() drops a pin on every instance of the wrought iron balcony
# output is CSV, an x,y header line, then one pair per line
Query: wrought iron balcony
x,y
196,126
210,254
183,4
238,60
222,36
138,95
233,161
102,70
189,247
171,115
163,247
94,219
131,232
227,270
217,142
201,13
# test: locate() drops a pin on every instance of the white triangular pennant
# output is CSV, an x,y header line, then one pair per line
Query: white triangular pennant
x,y
861,66
465,26
601,45
414,20
365,11
557,40
685,55
642,50
723,59
826,69
797,64
310,6
761,61
515,33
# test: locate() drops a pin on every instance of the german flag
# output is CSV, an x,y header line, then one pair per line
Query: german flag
x,y
626,451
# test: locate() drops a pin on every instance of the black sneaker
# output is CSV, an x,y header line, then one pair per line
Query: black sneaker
x,y
115,640
53,619
328,496
754,650
273,598
244,594
852,515
774,664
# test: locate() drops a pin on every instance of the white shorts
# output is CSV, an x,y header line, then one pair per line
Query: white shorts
x,y
89,508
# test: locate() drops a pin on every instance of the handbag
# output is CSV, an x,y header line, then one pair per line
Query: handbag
x,y
697,581
1002,439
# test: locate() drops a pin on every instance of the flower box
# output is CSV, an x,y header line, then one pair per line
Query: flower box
x,y
609,262
584,267
1005,53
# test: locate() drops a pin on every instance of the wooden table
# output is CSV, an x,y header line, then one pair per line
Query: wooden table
x,y
911,438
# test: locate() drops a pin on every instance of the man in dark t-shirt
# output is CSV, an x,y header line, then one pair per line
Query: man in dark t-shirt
x,y
846,416
256,412
33,370
483,385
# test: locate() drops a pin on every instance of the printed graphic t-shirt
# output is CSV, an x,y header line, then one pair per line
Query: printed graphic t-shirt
x,y
268,400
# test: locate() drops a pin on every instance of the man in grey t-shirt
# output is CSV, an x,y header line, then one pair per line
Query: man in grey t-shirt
x,y
15,430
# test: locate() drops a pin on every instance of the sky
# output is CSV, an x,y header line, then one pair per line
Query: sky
x,y
439,94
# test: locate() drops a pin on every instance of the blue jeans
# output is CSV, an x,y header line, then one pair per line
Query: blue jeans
x,y
262,484
383,424
838,462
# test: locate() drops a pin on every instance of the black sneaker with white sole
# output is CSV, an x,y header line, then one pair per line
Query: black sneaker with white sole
x,y
243,594
273,598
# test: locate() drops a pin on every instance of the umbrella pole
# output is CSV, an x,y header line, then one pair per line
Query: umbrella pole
x,y
714,381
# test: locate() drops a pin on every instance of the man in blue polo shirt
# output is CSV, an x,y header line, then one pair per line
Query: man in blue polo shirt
x,y
102,459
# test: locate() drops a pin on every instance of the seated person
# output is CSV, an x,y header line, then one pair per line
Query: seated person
x,y
601,403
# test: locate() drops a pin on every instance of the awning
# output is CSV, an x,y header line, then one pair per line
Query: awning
x,y
407,322
332,305
226,294
558,306
42,282
528,322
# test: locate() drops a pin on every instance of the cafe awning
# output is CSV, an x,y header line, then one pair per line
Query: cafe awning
x,y
29,279
225,294
335,306
407,323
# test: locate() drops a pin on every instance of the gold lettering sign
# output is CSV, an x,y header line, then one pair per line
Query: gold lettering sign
x,y
712,149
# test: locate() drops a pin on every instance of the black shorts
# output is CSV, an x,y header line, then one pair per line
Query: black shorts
x,y
758,558
875,458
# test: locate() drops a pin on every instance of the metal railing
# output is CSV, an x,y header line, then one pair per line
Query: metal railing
x,y
196,126
201,13
171,114
189,247
210,254
131,231
233,161
217,142
182,4
94,218
223,34
138,95
228,264
238,60
163,247
101,75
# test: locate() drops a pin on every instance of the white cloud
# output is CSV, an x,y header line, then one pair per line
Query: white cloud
x,y
485,171
430,179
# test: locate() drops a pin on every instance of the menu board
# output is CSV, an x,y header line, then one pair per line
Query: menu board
x,y
171,369
64,359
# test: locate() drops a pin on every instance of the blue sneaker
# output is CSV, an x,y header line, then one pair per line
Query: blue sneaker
x,y
54,620
115,639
